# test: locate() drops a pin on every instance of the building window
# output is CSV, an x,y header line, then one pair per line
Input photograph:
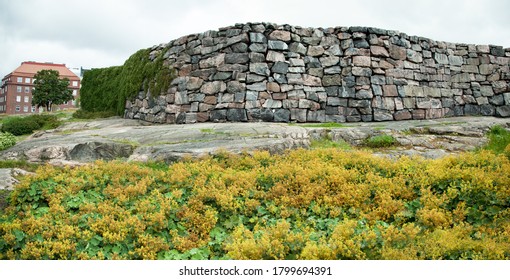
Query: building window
x,y
33,109
75,92
20,80
18,89
17,108
27,89
74,102
1,99
26,98
18,98
25,109
75,83
27,80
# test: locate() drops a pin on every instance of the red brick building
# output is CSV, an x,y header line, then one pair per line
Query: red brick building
x,y
16,87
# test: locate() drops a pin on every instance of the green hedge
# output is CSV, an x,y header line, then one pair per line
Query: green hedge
x,y
27,125
107,89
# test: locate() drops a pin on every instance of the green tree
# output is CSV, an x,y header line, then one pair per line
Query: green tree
x,y
49,89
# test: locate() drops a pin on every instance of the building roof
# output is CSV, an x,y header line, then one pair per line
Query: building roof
x,y
31,68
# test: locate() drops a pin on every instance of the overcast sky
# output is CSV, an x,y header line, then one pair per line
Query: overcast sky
x,y
100,33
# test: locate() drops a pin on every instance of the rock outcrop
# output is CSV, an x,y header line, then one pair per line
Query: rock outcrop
x,y
84,142
283,73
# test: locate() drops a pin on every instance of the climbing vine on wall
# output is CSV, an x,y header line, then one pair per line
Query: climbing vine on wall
x,y
107,89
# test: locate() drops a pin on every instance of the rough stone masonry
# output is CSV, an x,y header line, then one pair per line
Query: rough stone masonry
x,y
282,73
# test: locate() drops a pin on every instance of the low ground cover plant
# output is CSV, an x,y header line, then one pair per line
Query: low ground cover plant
x,y
305,204
7,140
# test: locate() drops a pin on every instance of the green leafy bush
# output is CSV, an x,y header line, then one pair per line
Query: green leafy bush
x,y
20,126
381,141
45,121
27,125
6,140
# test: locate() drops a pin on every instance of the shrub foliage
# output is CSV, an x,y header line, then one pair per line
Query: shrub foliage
x,y
107,89
7,140
317,204
27,125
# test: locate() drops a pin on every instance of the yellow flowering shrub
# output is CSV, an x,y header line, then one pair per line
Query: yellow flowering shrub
x,y
305,204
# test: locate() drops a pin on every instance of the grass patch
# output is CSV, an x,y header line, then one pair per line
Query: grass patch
x,y
326,143
207,130
499,138
21,164
381,141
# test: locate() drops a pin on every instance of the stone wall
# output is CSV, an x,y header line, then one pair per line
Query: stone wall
x,y
283,73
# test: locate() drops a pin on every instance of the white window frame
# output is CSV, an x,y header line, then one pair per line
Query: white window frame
x,y
27,80
19,89
75,83
26,99
18,98
18,108
75,92
33,109
25,109
19,80
27,89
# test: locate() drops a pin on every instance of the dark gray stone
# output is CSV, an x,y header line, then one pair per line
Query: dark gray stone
x,y
218,115
261,48
233,58
503,111
487,110
497,50
181,118
282,115
237,115
497,100
471,110
263,114
331,91
361,43
280,67
316,116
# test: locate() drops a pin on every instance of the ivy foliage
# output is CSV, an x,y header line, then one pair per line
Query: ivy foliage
x,y
107,89
305,204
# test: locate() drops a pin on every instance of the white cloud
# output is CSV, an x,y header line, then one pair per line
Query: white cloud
x,y
97,33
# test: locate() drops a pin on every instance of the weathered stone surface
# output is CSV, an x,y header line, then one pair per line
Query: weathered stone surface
x,y
280,67
258,65
379,51
280,35
277,45
363,61
235,58
397,52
